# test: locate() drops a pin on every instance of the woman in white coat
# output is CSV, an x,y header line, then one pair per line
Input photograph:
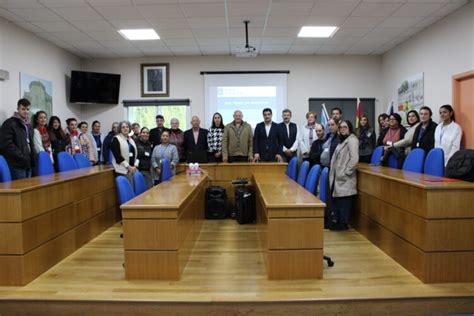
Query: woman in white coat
x,y
448,133
343,176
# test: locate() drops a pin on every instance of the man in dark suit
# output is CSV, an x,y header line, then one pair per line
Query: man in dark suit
x,y
195,142
155,133
266,141
288,133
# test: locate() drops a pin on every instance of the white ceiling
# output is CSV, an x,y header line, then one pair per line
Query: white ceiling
x,y
88,28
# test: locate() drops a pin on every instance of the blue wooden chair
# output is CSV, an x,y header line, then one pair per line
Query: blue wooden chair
x,y
292,168
414,161
303,173
66,162
45,165
312,179
82,161
5,175
434,162
165,171
377,156
323,183
139,183
124,189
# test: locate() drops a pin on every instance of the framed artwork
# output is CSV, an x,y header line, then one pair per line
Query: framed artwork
x,y
155,80
38,91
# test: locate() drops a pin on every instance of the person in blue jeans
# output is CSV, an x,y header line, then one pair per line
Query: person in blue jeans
x,y
17,141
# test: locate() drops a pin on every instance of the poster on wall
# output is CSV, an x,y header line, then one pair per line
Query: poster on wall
x,y
38,91
410,94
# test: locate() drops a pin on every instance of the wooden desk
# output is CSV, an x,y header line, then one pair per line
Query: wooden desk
x,y
162,224
160,227
44,219
290,225
426,227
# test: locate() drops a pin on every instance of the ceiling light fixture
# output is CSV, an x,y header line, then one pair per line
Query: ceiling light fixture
x,y
317,31
139,34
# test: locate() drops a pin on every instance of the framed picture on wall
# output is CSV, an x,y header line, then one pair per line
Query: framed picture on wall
x,y
155,80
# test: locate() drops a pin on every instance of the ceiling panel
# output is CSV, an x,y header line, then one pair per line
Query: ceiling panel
x,y
213,27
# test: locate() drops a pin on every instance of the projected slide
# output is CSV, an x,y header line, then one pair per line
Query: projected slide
x,y
250,99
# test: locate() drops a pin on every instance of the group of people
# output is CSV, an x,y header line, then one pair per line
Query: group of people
x,y
129,148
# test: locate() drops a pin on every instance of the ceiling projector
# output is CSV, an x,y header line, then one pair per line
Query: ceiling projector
x,y
247,51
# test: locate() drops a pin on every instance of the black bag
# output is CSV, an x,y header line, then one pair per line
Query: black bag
x,y
461,165
216,203
245,205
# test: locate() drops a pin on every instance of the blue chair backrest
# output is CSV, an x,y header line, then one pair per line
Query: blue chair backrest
x,y
323,184
312,179
66,162
292,168
5,175
414,161
377,156
45,165
82,161
434,162
139,183
124,189
110,157
392,161
165,171
303,172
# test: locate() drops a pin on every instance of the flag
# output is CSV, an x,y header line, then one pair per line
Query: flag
x,y
358,113
324,116
390,108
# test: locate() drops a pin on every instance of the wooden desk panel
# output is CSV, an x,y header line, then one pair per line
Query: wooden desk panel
x,y
291,220
38,230
427,227
161,226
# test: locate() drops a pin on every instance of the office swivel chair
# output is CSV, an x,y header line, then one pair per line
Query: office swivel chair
x,y
125,191
414,161
66,162
376,156
323,189
312,179
303,172
82,161
292,168
139,183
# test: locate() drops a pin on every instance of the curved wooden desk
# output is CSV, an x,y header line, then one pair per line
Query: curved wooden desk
x,y
162,224
44,219
427,227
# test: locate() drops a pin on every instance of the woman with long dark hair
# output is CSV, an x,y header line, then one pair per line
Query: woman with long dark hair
x,y
144,155
366,136
214,139
448,133
413,119
59,140
343,176
41,136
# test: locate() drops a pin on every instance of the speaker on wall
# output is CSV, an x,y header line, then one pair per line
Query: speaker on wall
x,y
216,203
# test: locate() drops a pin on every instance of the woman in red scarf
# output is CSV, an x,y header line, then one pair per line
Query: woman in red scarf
x,y
41,135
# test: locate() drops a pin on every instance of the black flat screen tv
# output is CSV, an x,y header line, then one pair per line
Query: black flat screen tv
x,y
94,87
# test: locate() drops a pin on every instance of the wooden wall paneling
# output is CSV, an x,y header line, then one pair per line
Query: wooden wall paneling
x,y
291,264
295,233
10,208
150,234
158,265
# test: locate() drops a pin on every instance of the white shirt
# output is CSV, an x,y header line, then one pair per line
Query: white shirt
x,y
294,147
448,138
267,128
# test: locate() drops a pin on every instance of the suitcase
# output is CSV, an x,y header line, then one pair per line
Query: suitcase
x,y
216,202
245,210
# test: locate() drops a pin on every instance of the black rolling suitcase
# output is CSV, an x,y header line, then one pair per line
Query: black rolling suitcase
x,y
216,203
245,209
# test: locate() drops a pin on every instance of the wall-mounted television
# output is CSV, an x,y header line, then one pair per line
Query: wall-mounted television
x,y
94,87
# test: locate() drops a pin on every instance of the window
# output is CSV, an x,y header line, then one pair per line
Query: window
x,y
144,112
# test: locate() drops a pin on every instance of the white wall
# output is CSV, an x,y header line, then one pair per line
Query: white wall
x,y
310,76
441,51
22,51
